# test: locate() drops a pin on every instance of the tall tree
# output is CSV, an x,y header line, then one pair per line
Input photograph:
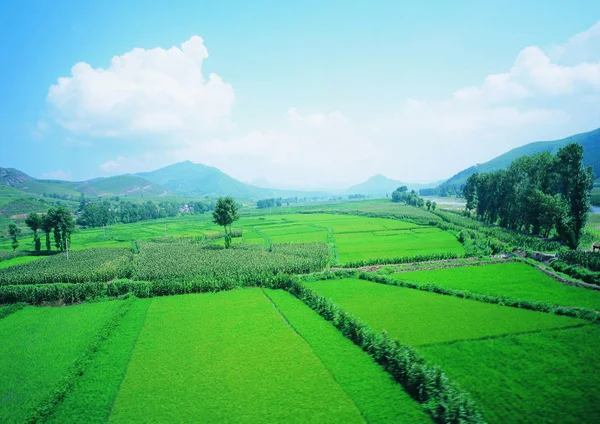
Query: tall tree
x,y
14,232
225,213
46,227
34,222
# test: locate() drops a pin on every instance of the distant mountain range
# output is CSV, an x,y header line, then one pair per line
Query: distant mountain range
x,y
381,185
591,155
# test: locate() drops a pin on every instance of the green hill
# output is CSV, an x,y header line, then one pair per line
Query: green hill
x,y
122,185
194,179
591,155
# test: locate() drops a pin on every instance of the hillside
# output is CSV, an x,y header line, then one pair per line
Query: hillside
x,y
380,184
591,156
122,185
195,179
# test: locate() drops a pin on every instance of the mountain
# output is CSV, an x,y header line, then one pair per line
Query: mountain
x,y
380,184
122,185
591,155
194,179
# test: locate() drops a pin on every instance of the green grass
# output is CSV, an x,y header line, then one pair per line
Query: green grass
x,y
93,396
419,318
226,357
515,280
547,377
38,346
19,260
377,395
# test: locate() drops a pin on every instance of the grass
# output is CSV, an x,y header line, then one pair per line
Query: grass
x,y
417,318
38,346
19,260
226,357
515,280
380,399
94,394
547,377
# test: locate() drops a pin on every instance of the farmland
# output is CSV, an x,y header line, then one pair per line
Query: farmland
x,y
157,319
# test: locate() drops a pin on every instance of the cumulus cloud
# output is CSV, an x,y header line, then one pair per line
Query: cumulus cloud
x,y
144,91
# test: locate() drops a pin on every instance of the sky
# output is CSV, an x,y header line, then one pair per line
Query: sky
x,y
291,94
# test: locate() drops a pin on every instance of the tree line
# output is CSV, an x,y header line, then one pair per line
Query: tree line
x,y
105,213
541,195
56,222
401,194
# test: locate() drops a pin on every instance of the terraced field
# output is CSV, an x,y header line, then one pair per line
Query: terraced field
x,y
518,364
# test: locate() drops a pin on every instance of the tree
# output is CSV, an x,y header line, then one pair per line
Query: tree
x,y
402,189
34,221
46,226
428,204
60,221
433,206
14,232
225,213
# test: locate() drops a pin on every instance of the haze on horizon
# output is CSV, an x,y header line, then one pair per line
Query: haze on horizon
x,y
306,95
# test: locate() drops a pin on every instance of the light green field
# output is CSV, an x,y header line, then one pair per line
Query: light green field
x,y
226,357
19,260
547,377
420,318
517,364
380,399
514,280
38,346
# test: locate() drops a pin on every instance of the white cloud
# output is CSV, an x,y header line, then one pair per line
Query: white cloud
x,y
142,92
59,175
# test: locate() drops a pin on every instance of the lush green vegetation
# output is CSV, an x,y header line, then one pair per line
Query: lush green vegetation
x,y
516,280
549,377
18,261
378,397
236,360
82,266
420,318
38,347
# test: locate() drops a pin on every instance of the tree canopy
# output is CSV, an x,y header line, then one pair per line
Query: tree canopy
x,y
225,213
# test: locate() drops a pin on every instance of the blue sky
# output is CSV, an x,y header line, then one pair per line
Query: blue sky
x,y
306,94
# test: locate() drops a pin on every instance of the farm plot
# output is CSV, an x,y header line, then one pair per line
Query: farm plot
x,y
547,377
514,280
519,365
377,395
356,237
419,318
238,265
226,357
19,260
99,264
38,346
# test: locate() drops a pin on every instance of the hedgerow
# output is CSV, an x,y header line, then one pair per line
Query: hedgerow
x,y
404,259
577,272
590,260
97,264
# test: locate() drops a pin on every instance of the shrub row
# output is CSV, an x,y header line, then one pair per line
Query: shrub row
x,y
415,219
404,259
582,274
427,384
590,260
10,309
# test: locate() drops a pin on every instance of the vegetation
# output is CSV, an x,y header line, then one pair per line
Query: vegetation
x,y
536,194
225,214
14,232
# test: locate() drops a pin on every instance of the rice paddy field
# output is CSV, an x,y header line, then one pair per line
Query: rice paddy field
x,y
537,361
157,322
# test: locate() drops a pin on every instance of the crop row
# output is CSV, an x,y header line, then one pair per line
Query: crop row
x,y
98,264
239,265
574,271
590,260
405,259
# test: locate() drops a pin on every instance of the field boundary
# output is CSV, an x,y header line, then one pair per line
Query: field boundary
x,y
570,311
567,281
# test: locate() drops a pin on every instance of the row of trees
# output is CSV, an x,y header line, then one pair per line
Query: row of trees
x,y
57,222
538,194
401,194
105,213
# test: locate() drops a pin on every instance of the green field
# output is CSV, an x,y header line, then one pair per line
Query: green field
x,y
236,360
18,261
516,363
420,318
38,346
514,280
